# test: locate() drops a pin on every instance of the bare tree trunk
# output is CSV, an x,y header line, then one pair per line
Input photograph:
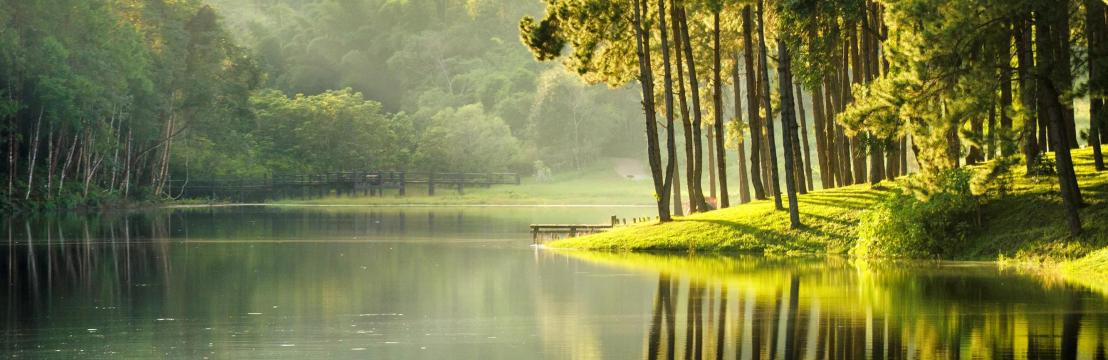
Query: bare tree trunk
x,y
686,121
68,161
744,187
805,145
788,123
694,86
1005,99
721,152
1050,58
1027,95
1095,31
669,184
51,160
34,155
710,133
825,175
642,37
769,108
752,115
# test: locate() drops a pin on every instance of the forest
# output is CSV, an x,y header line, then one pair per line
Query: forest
x,y
113,101
950,84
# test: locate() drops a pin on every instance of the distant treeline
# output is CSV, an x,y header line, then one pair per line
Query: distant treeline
x,y
103,100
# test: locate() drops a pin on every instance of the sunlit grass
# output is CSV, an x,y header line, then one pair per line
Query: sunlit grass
x,y
1026,225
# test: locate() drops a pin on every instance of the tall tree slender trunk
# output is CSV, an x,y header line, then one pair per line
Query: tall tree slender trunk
x,y
990,139
1005,97
805,145
825,175
834,177
694,87
34,155
642,44
670,184
744,187
753,118
975,155
1095,32
769,108
1030,143
686,121
1064,72
1047,46
857,146
710,133
721,152
788,123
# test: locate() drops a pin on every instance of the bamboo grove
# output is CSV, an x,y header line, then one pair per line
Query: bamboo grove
x,y
948,83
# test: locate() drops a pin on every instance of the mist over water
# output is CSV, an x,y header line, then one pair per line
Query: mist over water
x,y
268,282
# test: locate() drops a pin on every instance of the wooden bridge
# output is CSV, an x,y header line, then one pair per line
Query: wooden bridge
x,y
366,183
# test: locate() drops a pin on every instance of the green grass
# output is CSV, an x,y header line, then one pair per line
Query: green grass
x,y
598,185
1025,226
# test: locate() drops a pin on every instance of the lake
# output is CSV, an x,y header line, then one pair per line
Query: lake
x,y
466,283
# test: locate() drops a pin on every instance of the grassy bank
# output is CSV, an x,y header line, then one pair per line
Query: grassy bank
x,y
1025,226
599,185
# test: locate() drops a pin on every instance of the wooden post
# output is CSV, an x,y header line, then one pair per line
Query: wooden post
x,y
615,221
431,184
402,183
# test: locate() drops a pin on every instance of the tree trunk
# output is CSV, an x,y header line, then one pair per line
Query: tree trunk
x,y
834,177
670,184
694,86
753,118
857,146
678,203
34,155
1064,73
975,155
744,188
1030,143
1095,31
805,145
821,137
1047,46
788,123
721,152
686,122
1005,100
642,42
769,109
710,133
990,139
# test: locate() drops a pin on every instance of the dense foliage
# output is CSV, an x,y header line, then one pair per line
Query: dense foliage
x,y
905,225
118,99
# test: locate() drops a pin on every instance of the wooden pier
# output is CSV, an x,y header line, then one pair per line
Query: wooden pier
x,y
366,183
544,232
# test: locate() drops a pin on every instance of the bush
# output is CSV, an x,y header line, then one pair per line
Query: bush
x,y
903,225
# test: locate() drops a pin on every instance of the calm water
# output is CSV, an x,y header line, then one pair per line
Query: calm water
x,y
437,283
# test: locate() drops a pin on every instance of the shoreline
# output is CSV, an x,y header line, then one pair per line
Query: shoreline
x,y
1022,229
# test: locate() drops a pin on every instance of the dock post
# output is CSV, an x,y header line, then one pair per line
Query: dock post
x,y
615,221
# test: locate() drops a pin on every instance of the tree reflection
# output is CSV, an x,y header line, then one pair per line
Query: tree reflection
x,y
789,315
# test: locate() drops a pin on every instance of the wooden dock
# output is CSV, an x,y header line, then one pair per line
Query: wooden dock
x,y
544,232
366,183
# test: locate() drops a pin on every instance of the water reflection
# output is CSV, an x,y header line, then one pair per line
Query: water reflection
x,y
756,308
464,283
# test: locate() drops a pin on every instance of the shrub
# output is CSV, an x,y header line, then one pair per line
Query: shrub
x,y
903,225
